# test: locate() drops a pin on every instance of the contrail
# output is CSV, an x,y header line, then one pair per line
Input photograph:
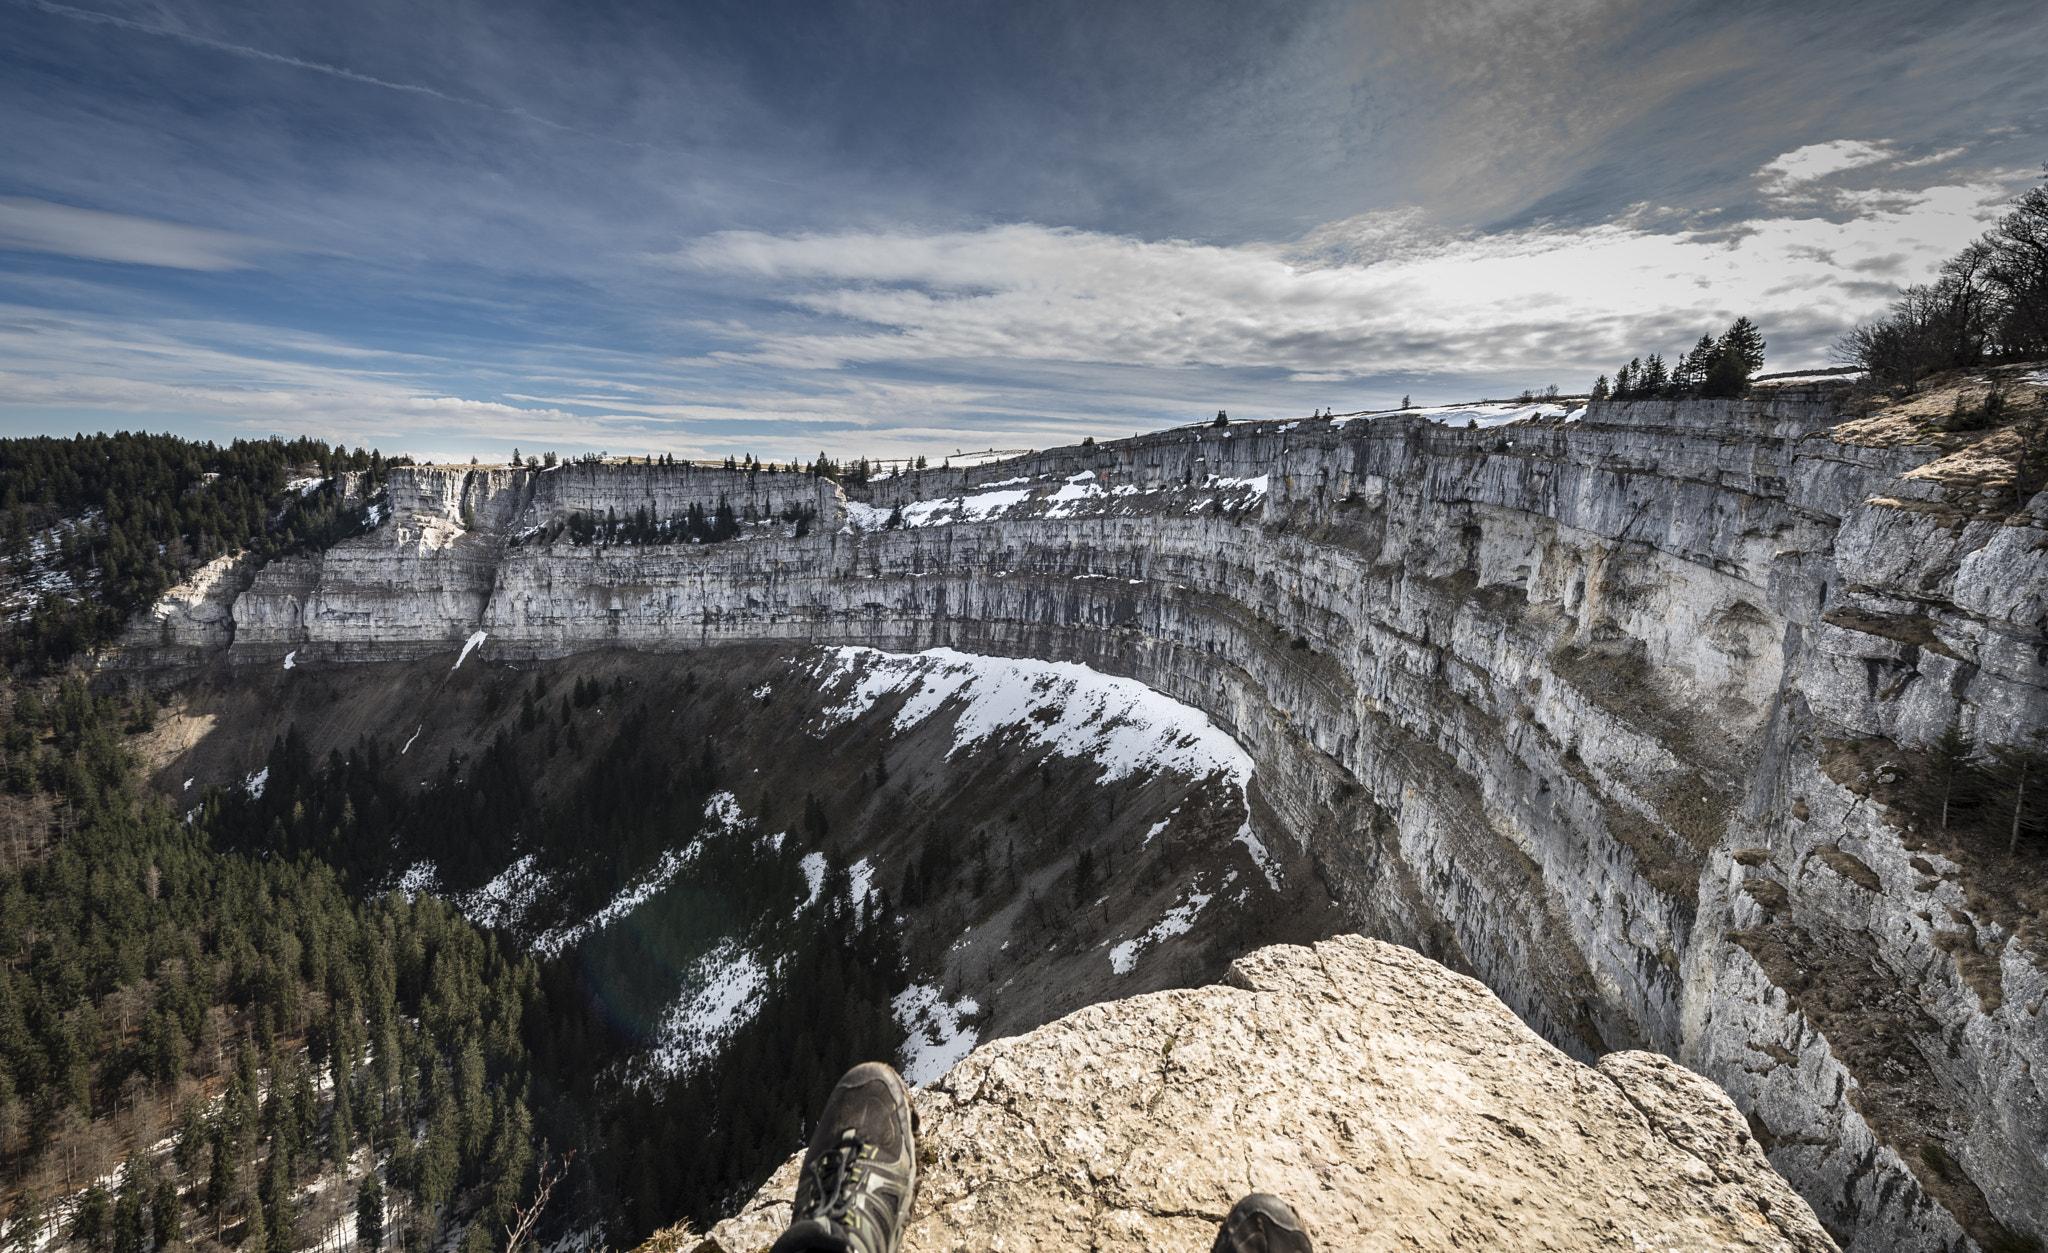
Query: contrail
x,y
318,67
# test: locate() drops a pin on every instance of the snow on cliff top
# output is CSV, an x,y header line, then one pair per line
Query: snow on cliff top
x,y
1489,413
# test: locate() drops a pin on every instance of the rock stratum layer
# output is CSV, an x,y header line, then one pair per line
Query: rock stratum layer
x,y
1603,714
1394,1104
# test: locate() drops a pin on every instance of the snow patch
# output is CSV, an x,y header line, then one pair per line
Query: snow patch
x,y
976,508
1124,726
415,735
1077,491
420,877
1817,376
723,809
721,991
289,657
1260,857
505,899
939,511
863,875
1486,414
467,648
938,1037
1177,921
813,866
255,783
635,894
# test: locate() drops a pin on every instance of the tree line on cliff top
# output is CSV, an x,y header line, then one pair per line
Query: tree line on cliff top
x,y
1713,367
99,526
1989,303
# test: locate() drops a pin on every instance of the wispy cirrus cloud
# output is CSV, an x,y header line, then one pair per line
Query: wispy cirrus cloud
x,y
28,225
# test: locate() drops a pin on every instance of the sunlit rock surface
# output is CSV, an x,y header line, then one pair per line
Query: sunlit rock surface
x,y
1394,1104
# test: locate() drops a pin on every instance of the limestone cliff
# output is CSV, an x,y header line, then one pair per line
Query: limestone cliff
x,y
1394,1104
1605,714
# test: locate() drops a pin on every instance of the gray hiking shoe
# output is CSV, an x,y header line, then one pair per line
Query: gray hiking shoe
x,y
860,1172
1262,1223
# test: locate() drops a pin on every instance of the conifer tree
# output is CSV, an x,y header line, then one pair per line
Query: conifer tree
x,y
1951,771
2020,772
341,1129
128,1224
370,1213
1745,342
220,1177
255,1232
167,1218
511,1154
1727,376
280,1215
89,1224
1698,364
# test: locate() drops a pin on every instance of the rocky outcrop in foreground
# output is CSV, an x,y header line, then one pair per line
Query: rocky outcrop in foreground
x,y
1396,1104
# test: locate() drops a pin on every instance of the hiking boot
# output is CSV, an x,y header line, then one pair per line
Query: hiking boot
x,y
1262,1223
860,1172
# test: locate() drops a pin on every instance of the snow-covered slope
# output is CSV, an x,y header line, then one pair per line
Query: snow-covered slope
x,y
1122,725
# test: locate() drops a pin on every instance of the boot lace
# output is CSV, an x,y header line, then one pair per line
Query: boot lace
x,y
834,1182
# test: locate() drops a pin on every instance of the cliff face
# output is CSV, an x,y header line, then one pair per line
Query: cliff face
x,y
1394,1104
1605,714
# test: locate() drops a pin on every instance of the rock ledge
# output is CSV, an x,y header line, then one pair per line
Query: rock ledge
x,y
1396,1104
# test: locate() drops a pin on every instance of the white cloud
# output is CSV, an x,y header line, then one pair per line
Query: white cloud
x,y
40,226
1816,161
1541,299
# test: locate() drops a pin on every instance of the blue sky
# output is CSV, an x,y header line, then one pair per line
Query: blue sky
x,y
453,228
